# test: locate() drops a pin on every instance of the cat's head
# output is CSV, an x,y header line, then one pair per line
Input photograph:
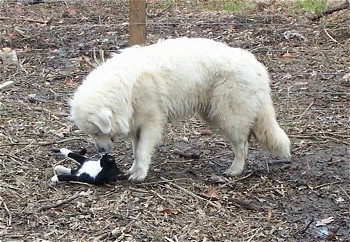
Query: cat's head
x,y
107,161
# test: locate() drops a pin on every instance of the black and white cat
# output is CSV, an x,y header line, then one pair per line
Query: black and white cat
x,y
96,170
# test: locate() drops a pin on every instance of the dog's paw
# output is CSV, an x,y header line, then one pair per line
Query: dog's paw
x,y
137,175
233,172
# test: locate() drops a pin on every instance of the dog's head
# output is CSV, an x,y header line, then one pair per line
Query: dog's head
x,y
100,123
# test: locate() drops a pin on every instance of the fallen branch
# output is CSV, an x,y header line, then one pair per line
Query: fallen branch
x,y
5,84
326,184
346,194
245,205
160,13
191,193
25,19
9,214
57,204
343,6
186,155
60,141
303,230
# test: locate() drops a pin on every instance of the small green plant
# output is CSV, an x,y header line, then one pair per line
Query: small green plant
x,y
236,5
314,6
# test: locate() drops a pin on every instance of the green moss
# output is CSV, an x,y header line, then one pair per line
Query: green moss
x,y
237,5
314,6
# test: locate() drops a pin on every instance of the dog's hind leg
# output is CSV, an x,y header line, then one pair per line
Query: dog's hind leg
x,y
241,151
135,141
237,131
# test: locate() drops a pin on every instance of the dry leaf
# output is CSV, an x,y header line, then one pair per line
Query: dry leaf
x,y
205,132
325,221
339,200
211,192
287,54
346,76
6,49
300,83
71,11
287,76
86,193
8,56
269,214
70,82
168,211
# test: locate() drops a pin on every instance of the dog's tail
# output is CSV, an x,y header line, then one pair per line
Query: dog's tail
x,y
269,134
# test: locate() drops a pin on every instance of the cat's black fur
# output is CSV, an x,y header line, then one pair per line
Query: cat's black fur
x,y
103,171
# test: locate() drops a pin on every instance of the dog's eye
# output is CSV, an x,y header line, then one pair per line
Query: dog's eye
x,y
112,140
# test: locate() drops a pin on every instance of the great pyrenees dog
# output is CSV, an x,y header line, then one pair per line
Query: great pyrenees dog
x,y
136,92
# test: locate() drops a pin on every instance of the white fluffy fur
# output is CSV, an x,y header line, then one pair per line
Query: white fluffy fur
x,y
137,92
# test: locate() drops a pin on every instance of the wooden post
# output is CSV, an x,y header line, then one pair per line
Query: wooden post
x,y
137,22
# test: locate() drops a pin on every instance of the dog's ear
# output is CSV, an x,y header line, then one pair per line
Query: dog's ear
x,y
102,119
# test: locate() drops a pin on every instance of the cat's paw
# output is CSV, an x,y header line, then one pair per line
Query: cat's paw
x,y
65,152
54,180
60,170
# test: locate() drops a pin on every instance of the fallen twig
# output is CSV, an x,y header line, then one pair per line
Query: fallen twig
x,y
5,84
334,40
191,193
245,205
20,150
187,155
308,107
57,204
9,214
255,234
236,180
302,231
343,6
326,184
45,110
278,162
60,141
160,13
346,194
157,182
25,19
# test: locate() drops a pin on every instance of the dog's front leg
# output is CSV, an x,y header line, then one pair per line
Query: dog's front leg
x,y
144,144
135,141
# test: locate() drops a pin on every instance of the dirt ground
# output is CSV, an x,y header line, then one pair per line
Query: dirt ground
x,y
186,197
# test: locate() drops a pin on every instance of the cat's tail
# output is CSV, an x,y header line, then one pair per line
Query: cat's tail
x,y
269,134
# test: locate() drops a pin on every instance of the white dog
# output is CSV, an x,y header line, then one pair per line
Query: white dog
x,y
137,92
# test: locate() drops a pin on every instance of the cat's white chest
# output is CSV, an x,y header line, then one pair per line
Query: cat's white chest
x,y
90,167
